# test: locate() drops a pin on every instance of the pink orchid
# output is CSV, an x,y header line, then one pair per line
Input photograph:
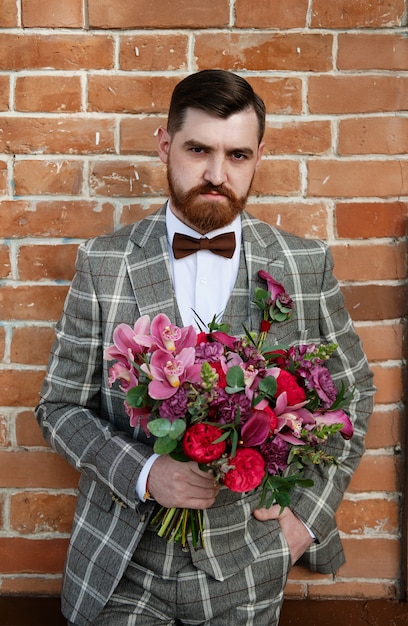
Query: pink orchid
x,y
291,419
335,417
129,342
138,417
168,372
169,337
125,374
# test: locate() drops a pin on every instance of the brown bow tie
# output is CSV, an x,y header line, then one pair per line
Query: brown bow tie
x,y
223,245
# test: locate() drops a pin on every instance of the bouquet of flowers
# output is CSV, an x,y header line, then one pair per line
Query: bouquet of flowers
x,y
256,416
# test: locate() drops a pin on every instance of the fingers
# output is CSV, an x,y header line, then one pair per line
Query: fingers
x,y
264,514
175,484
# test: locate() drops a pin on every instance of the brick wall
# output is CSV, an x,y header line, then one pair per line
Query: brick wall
x,y
83,86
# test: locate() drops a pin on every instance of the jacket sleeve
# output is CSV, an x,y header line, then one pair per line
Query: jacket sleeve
x,y
317,505
76,401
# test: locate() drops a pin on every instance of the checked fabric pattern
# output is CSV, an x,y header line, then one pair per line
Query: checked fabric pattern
x,y
120,277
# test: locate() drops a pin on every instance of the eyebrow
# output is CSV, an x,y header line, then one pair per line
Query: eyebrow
x,y
193,143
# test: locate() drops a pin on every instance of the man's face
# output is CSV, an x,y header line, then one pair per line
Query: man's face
x,y
211,162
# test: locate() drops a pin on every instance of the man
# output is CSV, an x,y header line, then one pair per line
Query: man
x,y
117,570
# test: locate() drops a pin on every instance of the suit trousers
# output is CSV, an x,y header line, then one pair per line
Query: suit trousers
x,y
162,587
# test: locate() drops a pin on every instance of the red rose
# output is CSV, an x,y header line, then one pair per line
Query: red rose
x,y
287,382
202,337
247,472
222,378
273,420
198,443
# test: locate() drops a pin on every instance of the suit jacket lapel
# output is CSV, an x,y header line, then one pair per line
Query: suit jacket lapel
x,y
149,268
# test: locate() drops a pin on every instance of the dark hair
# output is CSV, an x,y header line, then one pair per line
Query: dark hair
x,y
217,92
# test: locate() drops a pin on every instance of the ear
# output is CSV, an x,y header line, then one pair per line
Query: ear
x,y
163,144
260,153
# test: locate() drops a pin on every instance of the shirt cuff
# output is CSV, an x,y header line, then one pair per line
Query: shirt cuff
x,y
141,485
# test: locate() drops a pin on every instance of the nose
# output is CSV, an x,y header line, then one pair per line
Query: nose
x,y
215,172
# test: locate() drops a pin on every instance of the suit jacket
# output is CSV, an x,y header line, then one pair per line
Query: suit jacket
x,y
120,277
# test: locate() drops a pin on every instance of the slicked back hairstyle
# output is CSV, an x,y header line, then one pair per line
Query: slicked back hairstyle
x,y
217,92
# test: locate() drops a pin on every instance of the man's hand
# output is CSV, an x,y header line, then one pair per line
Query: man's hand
x,y
296,533
184,485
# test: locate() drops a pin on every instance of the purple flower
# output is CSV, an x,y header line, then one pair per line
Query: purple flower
x,y
175,407
227,406
275,453
209,351
321,380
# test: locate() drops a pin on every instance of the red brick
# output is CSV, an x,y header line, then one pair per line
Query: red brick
x,y
122,178
360,590
377,473
3,177
62,135
298,137
385,51
134,212
33,469
362,517
30,345
364,220
375,302
5,265
305,220
35,177
4,90
382,341
130,94
20,387
48,93
373,136
371,558
153,52
389,382
50,262
55,218
370,262
357,178
37,302
357,94
345,14
52,13
280,178
34,512
264,14
157,14
386,428
59,52
28,432
280,94
138,135
8,14
265,51
32,555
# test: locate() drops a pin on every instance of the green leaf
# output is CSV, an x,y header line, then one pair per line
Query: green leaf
x,y
164,445
136,396
159,427
235,378
268,386
177,430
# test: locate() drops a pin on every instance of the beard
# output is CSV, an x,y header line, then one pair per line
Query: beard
x,y
201,214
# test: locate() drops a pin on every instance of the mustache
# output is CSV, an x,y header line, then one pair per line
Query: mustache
x,y
209,187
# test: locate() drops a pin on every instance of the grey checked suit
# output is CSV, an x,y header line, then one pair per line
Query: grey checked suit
x,y
120,277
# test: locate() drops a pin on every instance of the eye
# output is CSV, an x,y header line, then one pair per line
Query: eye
x,y
239,156
197,150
